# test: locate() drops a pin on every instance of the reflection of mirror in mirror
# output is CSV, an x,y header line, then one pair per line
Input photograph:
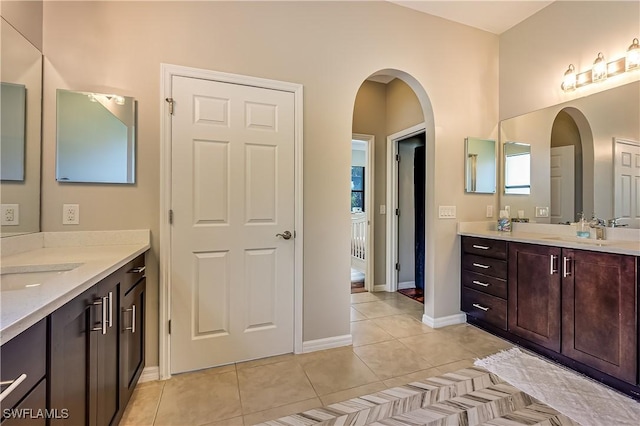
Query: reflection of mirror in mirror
x,y
590,124
12,129
95,137
517,168
21,121
480,165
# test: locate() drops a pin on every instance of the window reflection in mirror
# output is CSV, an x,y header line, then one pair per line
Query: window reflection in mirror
x,y
517,168
480,165
95,137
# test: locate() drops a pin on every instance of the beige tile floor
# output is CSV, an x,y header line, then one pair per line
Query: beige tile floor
x,y
391,347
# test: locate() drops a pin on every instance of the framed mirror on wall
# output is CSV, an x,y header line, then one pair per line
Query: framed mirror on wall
x,y
480,165
96,136
21,121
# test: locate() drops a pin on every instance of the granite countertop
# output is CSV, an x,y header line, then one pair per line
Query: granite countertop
x,y
65,265
620,241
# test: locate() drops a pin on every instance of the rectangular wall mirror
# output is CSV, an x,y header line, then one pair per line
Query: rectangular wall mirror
x,y
12,131
480,165
21,124
517,168
95,137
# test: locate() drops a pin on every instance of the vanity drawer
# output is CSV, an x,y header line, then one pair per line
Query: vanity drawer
x,y
485,247
133,272
485,307
24,354
485,266
484,283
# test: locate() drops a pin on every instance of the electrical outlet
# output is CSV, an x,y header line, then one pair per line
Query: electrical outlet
x,y
489,211
71,214
10,214
446,212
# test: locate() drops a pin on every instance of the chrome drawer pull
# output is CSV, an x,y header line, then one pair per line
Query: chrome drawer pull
x,y
480,265
136,270
552,268
481,283
110,299
481,247
103,327
12,385
133,319
475,305
566,263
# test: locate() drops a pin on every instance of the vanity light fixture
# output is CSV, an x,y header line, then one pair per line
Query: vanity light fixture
x,y
602,70
599,70
569,82
96,97
633,56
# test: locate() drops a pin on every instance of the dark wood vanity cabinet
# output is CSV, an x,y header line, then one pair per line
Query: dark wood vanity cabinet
x,y
84,356
132,330
93,353
484,285
535,294
599,312
578,307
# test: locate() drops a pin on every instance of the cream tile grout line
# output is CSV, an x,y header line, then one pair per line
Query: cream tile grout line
x,y
155,414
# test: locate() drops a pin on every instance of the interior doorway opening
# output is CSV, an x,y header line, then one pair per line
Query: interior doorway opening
x,y
362,190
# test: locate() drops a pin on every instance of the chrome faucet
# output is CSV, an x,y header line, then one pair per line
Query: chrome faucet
x,y
613,223
599,225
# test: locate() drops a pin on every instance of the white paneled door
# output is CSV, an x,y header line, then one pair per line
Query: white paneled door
x,y
626,202
232,267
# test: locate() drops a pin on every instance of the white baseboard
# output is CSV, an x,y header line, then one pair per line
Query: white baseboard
x,y
150,374
460,318
406,284
327,343
380,287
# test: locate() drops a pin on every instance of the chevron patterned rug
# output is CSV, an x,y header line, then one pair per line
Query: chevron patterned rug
x,y
467,397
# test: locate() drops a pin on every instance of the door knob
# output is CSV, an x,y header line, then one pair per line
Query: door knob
x,y
286,235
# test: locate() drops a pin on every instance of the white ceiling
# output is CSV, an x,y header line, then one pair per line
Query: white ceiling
x,y
493,16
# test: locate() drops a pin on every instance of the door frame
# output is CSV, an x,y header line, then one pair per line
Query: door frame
x,y
368,206
617,144
392,202
167,72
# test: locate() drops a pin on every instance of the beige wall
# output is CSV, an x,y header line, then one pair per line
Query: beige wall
x,y
330,48
26,17
535,53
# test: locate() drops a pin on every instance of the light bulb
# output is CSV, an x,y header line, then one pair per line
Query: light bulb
x,y
599,70
632,61
569,82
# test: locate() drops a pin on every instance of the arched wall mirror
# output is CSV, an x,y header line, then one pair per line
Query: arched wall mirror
x,y
21,71
585,157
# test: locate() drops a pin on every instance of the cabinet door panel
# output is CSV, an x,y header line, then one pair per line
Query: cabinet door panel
x,y
69,374
35,401
107,356
599,312
534,294
132,340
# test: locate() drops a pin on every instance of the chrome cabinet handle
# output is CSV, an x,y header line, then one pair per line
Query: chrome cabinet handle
x,y
110,299
481,283
133,319
481,247
566,262
552,268
484,308
12,385
136,270
286,235
103,326
480,265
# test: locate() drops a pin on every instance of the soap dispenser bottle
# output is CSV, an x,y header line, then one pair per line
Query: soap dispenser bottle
x,y
582,227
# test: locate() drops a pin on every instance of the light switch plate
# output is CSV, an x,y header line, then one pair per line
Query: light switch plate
x,y
383,209
542,211
446,212
489,211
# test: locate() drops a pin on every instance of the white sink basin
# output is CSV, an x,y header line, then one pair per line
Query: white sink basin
x,y
32,276
586,241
